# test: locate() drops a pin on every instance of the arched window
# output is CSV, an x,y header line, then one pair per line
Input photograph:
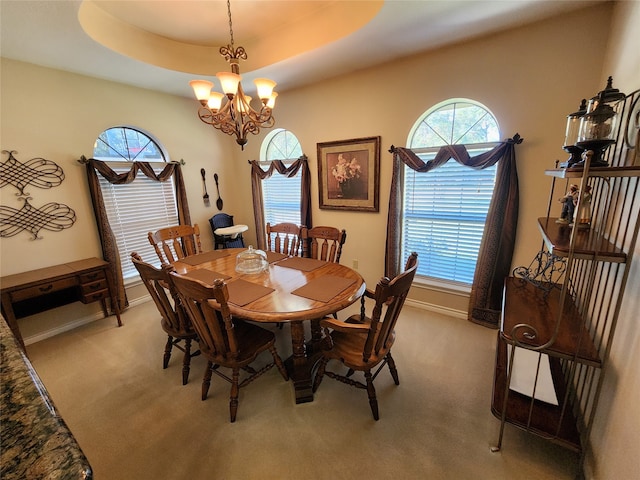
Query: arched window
x,y
281,195
445,209
139,207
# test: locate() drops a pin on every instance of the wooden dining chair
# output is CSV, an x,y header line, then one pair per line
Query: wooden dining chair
x,y
225,341
284,238
174,320
363,343
323,243
176,242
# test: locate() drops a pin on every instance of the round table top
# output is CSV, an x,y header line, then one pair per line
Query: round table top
x,y
282,305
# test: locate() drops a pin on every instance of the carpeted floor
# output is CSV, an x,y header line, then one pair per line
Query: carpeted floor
x,y
135,420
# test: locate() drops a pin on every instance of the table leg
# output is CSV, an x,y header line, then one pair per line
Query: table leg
x,y
301,364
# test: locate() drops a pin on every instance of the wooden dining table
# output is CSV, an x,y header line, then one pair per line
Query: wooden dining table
x,y
292,290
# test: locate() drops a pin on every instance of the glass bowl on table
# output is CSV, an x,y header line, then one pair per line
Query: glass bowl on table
x,y
252,261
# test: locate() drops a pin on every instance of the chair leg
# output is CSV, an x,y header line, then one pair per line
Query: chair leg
x,y
392,368
186,362
233,397
371,391
278,362
319,374
206,381
316,331
167,352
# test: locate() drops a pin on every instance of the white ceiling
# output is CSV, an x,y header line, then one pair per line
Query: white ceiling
x,y
48,33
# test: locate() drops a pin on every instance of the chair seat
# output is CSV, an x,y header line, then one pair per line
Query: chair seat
x,y
252,340
178,332
348,348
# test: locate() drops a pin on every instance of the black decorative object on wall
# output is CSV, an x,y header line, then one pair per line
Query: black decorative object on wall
x,y
36,172
40,173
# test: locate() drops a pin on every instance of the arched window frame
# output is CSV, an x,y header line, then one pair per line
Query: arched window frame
x,y
444,211
284,170
133,203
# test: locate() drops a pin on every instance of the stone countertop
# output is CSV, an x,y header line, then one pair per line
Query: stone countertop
x,y
36,442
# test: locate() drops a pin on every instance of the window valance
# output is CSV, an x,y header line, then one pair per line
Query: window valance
x,y
496,250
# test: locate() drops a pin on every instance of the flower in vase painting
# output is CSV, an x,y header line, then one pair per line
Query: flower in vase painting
x,y
345,169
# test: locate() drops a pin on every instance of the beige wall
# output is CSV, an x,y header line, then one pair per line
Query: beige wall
x,y
616,432
530,78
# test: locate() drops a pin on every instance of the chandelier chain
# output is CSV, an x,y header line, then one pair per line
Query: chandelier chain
x,y
230,23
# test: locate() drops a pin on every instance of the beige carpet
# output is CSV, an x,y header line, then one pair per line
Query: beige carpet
x,y
135,420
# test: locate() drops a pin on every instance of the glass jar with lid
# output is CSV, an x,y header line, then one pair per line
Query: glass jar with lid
x,y
251,261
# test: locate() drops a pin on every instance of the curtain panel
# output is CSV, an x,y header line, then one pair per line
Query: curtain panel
x,y
258,174
498,240
109,247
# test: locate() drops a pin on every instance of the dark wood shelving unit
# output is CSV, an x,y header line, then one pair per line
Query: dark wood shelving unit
x,y
564,306
546,420
524,303
588,245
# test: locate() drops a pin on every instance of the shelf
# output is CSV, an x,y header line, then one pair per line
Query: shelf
x,y
589,245
546,420
524,303
594,172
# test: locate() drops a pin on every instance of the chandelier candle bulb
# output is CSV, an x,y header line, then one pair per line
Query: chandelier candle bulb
x,y
215,101
242,106
202,90
229,82
272,100
265,88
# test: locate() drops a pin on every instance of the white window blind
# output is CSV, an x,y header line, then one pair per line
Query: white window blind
x,y
445,209
444,215
134,210
281,197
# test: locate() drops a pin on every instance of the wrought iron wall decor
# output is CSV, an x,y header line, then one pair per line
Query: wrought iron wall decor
x,y
40,173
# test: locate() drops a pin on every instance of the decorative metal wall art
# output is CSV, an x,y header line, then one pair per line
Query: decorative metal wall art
x,y
39,173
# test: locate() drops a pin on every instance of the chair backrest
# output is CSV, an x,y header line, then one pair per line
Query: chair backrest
x,y
284,238
389,297
221,220
173,243
174,319
323,243
214,326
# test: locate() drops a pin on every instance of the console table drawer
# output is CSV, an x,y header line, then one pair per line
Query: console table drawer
x,y
92,277
42,289
94,296
94,286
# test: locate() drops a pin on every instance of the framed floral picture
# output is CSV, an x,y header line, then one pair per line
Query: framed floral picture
x,y
348,174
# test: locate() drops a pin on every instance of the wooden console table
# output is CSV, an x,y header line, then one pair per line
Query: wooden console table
x,y
36,291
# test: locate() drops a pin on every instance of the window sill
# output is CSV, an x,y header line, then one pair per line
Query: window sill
x,y
452,288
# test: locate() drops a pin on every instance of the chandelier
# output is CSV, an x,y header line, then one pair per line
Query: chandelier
x,y
236,116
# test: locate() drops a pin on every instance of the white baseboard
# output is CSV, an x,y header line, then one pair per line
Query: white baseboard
x,y
140,300
436,308
77,323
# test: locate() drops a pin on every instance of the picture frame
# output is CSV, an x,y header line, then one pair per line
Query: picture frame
x,y
349,174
